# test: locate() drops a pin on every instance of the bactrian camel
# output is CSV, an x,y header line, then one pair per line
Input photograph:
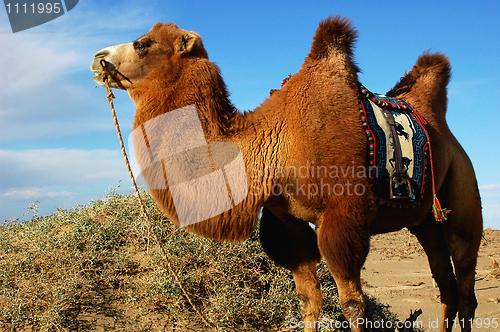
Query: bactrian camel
x,y
313,120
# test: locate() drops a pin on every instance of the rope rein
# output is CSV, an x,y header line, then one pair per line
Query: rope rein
x,y
110,96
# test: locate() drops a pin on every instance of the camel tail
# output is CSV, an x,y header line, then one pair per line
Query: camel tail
x,y
335,35
427,80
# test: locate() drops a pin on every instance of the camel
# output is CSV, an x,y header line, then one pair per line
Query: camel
x,y
313,121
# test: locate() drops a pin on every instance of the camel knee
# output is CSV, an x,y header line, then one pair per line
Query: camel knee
x,y
354,309
351,299
354,312
310,306
352,303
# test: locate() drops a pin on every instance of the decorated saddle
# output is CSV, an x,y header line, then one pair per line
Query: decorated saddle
x,y
398,145
399,148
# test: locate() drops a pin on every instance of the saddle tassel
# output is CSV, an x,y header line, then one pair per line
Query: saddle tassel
x,y
440,213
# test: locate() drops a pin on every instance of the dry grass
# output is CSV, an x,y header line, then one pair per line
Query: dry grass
x,y
96,267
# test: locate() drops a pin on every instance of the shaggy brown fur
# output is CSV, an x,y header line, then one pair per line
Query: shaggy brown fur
x,y
313,124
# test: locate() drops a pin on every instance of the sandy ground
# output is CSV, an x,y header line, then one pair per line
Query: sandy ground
x,y
397,273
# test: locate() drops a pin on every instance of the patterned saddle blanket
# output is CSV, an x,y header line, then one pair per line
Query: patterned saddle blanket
x,y
403,189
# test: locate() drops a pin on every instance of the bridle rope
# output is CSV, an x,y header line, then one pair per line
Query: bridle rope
x,y
110,96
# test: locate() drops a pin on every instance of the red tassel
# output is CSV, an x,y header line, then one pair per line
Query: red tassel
x,y
440,213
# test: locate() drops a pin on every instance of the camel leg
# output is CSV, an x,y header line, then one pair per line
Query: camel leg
x,y
431,237
344,244
465,270
463,232
293,245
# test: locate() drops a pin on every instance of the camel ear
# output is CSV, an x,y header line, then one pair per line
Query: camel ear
x,y
188,42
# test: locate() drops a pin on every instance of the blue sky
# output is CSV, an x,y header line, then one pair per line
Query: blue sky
x,y
58,144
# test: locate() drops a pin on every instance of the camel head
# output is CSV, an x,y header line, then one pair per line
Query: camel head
x,y
160,50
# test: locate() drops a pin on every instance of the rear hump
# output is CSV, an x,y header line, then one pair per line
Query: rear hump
x,y
427,80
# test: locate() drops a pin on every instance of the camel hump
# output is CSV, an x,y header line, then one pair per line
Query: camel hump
x,y
437,62
335,37
437,67
429,77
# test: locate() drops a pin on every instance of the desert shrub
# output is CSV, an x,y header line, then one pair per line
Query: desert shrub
x,y
99,265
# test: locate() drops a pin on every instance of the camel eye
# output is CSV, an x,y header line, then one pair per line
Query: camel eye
x,y
141,47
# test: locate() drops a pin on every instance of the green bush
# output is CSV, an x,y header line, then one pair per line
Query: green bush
x,y
99,265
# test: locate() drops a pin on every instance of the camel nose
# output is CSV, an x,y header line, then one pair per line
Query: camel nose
x,y
101,54
99,57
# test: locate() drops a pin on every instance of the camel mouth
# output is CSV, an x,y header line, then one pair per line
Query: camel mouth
x,y
96,69
112,74
98,78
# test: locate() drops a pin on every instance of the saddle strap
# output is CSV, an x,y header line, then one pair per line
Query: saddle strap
x,y
400,171
398,154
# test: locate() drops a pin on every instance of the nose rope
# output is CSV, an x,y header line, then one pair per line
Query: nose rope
x,y
102,62
110,96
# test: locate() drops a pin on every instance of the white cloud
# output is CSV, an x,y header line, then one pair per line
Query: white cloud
x,y
491,216
31,62
35,194
490,196
490,187
461,88
490,192
56,178
47,99
59,167
46,90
